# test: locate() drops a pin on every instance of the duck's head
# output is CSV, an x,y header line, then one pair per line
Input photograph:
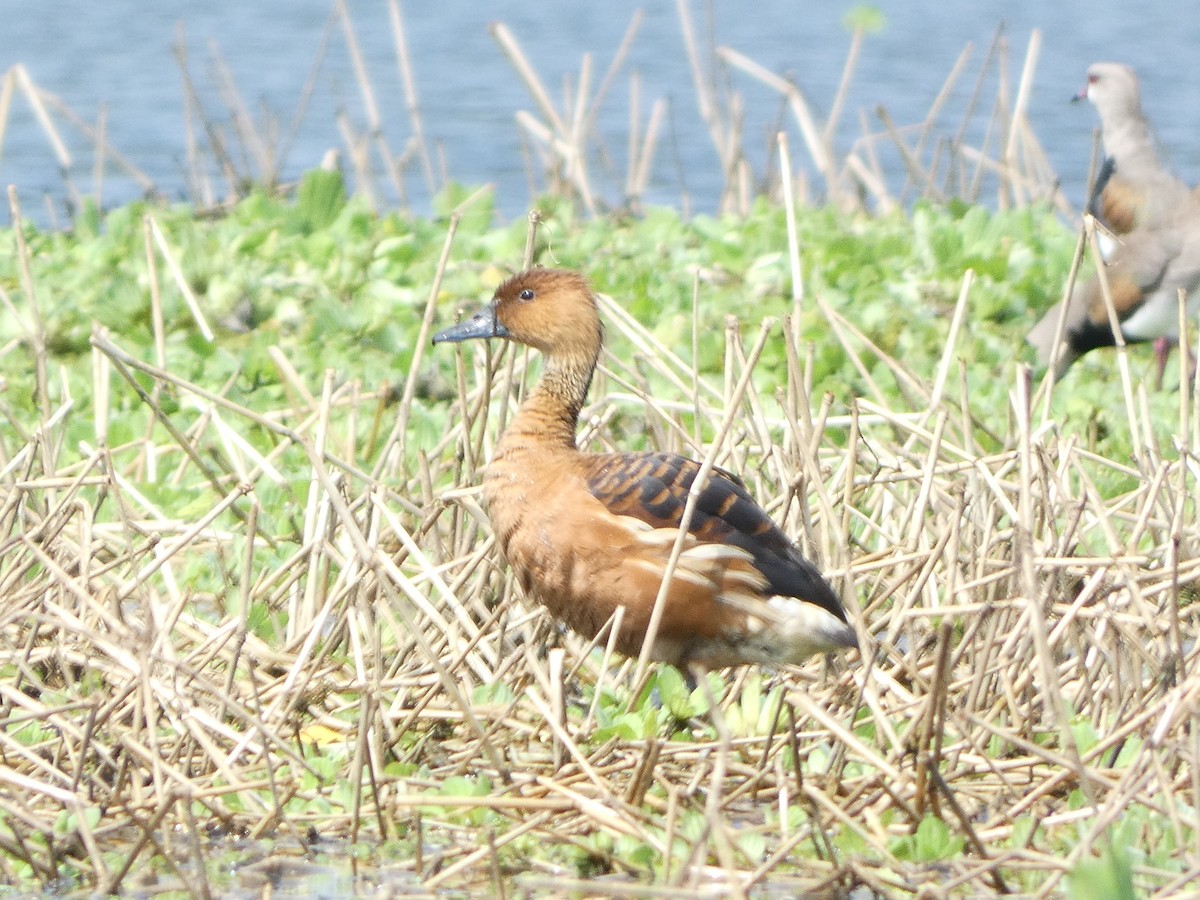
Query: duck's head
x,y
551,310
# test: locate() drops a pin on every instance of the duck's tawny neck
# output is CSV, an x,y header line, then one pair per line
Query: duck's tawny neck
x,y
550,413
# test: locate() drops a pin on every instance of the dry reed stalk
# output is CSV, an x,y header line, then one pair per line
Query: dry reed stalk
x,y
7,85
252,142
400,430
698,484
642,149
18,76
358,149
197,180
795,264
943,96
181,282
839,99
217,146
413,105
706,96
367,92
35,330
813,140
915,172
563,136
1047,387
1016,125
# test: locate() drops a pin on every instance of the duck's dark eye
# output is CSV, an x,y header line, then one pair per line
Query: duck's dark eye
x,y
526,294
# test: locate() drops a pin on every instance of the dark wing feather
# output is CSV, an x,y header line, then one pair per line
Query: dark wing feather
x,y
1114,202
653,487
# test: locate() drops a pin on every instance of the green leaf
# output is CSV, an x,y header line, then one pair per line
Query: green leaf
x,y
320,199
931,842
462,786
865,18
673,692
753,845
1110,876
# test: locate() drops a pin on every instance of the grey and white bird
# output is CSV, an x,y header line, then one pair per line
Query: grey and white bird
x,y
1134,188
1145,273
1152,249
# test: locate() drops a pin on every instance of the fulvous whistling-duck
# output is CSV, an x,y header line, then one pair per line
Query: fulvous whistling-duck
x,y
586,533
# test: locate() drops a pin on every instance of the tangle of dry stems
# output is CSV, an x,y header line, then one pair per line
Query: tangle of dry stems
x,y
1009,608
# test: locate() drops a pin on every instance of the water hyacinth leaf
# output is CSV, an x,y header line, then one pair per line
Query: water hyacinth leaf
x,y
320,199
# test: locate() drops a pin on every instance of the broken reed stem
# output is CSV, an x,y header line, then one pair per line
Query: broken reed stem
x,y
411,102
705,88
839,99
37,333
414,370
789,209
693,498
610,75
20,75
1016,123
371,108
181,282
943,95
1119,348
156,314
1057,347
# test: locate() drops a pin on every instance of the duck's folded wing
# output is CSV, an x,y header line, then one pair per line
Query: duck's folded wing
x,y
654,487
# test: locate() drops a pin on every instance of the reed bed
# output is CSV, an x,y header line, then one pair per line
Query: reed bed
x,y
362,680
990,154
366,675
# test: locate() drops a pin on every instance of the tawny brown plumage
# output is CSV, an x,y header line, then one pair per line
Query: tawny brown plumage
x,y
586,534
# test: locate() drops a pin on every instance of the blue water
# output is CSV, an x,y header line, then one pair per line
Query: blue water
x,y
117,55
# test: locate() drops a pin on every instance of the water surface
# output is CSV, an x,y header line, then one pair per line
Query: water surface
x,y
118,56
